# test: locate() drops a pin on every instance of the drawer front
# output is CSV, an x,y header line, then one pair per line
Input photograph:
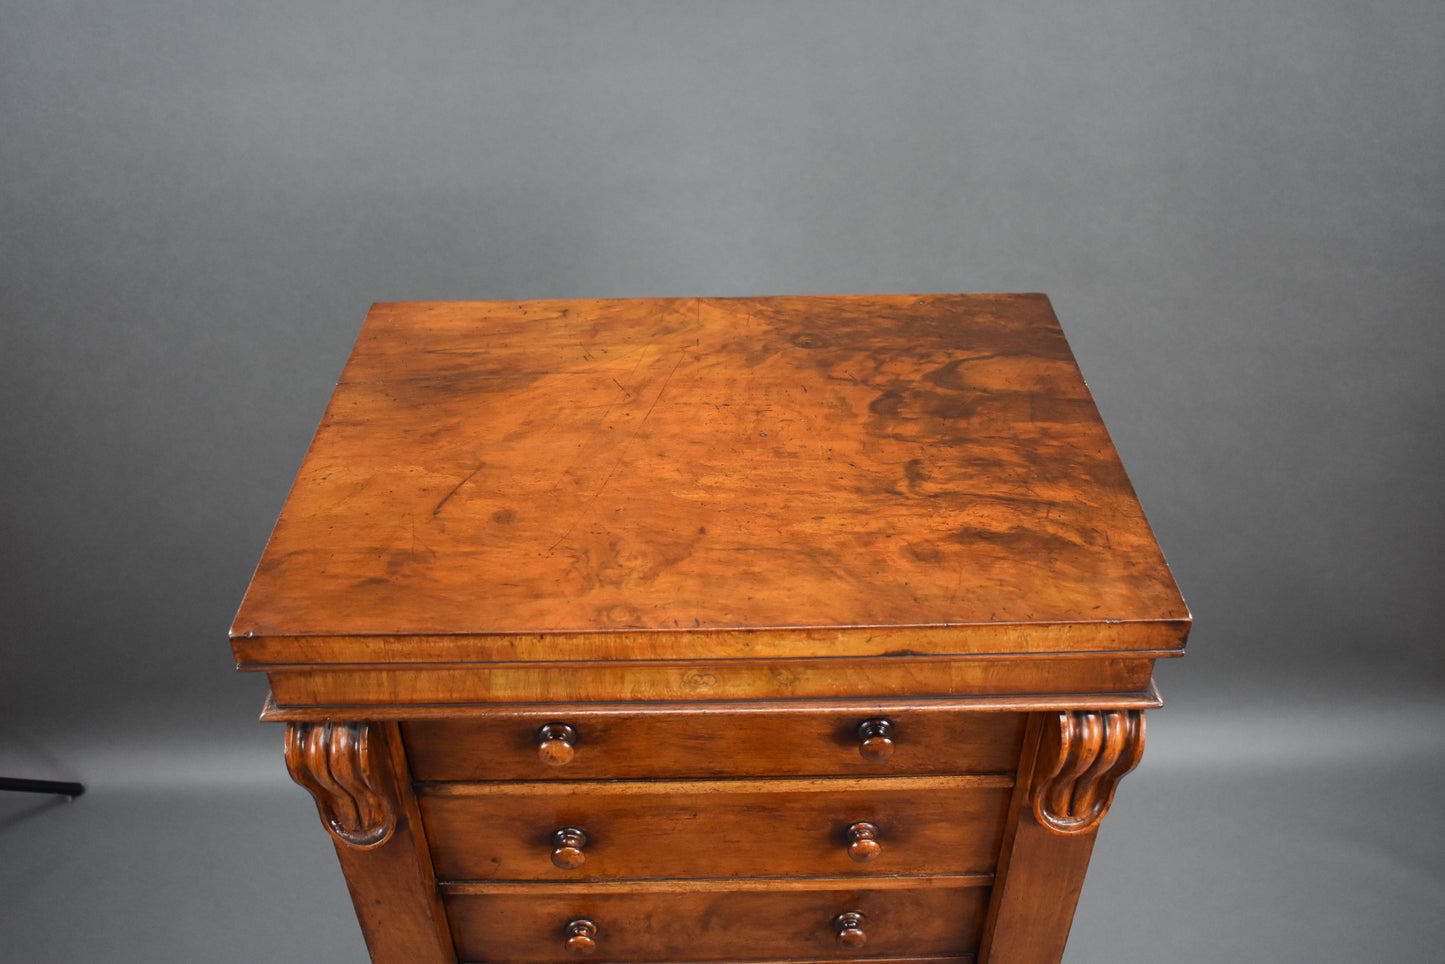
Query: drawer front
x,y
934,922
630,743
819,827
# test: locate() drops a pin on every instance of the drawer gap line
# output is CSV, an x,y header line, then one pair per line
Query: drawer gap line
x,y
709,786
677,885
962,959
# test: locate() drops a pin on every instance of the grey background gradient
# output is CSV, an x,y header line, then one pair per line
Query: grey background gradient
x,y
1238,209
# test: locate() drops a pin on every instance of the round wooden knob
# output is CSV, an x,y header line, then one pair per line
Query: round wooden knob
x,y
567,845
581,938
863,844
556,743
875,740
850,930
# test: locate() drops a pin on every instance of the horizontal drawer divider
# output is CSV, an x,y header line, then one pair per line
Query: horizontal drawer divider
x,y
571,788
703,885
965,959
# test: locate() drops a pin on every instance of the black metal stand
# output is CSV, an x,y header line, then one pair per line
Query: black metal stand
x,y
71,790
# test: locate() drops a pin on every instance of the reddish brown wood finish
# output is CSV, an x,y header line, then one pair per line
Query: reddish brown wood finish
x,y
581,938
725,828
569,848
712,629
1007,703
849,927
863,841
722,680
1088,753
1042,864
912,462
278,652
556,744
390,877
624,743
339,765
720,926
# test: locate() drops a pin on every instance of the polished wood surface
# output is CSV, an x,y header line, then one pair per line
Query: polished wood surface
x,y
389,874
739,679
581,938
863,840
849,928
720,926
622,468
766,630
556,744
1088,753
626,744
1148,699
849,642
569,848
336,763
932,825
1040,872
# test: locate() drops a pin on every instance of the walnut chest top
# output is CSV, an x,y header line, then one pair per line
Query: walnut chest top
x,y
774,629
773,479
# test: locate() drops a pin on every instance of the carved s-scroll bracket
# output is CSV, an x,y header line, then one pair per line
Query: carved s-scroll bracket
x,y
344,768
1082,758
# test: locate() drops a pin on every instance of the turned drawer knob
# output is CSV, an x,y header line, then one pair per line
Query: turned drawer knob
x,y
567,845
581,937
875,740
863,843
850,930
556,743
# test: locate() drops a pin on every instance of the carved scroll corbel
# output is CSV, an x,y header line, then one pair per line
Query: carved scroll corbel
x,y
341,765
1083,757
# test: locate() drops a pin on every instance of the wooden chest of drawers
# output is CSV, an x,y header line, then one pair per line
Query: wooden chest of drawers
x,y
778,629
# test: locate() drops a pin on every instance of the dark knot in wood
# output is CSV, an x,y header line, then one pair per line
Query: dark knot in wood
x,y
342,769
1084,755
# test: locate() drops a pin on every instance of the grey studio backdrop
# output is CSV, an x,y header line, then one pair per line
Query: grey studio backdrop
x,y
1237,207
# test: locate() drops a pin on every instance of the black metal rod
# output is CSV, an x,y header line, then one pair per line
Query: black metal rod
x,y
71,790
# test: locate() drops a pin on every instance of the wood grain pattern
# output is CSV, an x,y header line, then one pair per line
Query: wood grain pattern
x,y
933,922
338,766
716,629
915,677
1147,699
625,744
1041,890
726,829
1088,753
392,885
1161,639
631,467
1002,900
1041,871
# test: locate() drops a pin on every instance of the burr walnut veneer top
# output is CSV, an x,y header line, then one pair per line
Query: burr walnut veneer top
x,y
636,479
